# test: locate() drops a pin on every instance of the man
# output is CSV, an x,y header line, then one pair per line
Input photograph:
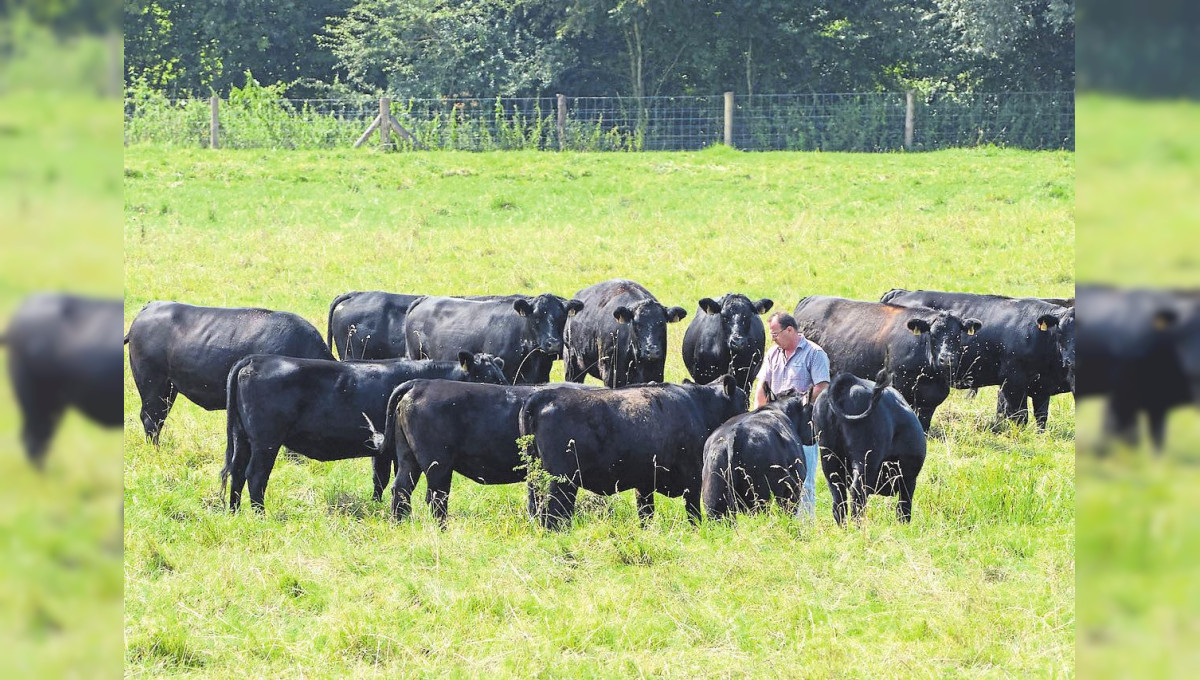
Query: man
x,y
795,362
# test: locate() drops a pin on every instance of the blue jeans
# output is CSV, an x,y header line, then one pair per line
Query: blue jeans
x,y
808,497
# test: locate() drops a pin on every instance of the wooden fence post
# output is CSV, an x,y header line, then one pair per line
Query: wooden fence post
x,y
729,119
214,123
385,118
562,122
910,110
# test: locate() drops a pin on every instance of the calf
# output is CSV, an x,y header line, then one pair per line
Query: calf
x,y
368,324
63,351
726,336
870,443
437,428
620,337
756,456
646,437
1026,346
323,409
917,346
181,349
526,332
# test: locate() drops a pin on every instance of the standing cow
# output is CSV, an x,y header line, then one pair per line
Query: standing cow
x,y
63,351
871,443
757,456
182,349
526,332
1026,346
620,337
368,324
649,438
917,346
325,410
726,337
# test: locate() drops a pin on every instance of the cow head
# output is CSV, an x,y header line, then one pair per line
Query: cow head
x,y
796,407
545,316
1062,327
647,322
739,317
942,335
482,368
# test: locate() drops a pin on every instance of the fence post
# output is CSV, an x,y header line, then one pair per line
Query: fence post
x,y
385,122
562,122
214,122
910,109
729,119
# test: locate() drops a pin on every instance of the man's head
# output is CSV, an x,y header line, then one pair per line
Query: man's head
x,y
784,333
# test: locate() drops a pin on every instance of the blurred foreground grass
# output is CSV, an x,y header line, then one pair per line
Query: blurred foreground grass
x,y
60,202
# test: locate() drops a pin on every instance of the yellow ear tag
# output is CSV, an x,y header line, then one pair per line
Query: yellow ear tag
x,y
1043,326
1160,323
916,331
971,330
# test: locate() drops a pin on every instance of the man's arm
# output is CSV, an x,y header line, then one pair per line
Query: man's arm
x,y
819,388
760,397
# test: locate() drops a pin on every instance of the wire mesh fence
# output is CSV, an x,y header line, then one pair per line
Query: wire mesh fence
x,y
864,122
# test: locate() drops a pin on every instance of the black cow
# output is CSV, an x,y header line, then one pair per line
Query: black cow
x,y
368,324
326,410
1026,346
1140,350
63,351
621,335
870,443
917,346
526,332
436,428
726,336
182,349
645,437
756,456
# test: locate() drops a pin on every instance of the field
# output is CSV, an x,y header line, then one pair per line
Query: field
x,y
982,582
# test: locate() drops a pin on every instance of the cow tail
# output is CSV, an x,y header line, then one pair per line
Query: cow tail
x,y
527,420
233,421
390,441
329,320
882,381
123,343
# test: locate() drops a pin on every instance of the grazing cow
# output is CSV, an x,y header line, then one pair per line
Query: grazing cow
x,y
1026,346
871,443
326,410
436,428
726,337
368,324
621,335
1140,350
182,349
645,437
758,455
63,351
526,332
917,346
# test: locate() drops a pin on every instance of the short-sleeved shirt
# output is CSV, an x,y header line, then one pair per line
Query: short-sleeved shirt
x,y
808,365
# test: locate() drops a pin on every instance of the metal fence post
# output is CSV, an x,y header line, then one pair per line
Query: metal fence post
x,y
910,109
214,123
562,122
729,119
385,125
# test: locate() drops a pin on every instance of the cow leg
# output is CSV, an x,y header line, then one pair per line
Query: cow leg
x,y
37,428
691,503
645,505
158,395
382,474
408,472
904,496
1158,428
1120,423
1041,410
262,460
838,491
535,501
437,481
237,472
559,506
925,416
1010,403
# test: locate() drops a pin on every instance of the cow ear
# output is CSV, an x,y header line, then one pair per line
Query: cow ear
x,y
623,314
764,305
729,384
465,359
710,306
1047,321
767,391
1164,319
918,326
676,314
574,307
972,326
523,307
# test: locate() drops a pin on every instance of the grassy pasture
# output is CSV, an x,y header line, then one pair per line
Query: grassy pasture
x,y
982,582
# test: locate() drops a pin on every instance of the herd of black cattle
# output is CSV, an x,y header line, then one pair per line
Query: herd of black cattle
x,y
431,385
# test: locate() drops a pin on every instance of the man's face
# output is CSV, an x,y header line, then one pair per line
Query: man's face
x,y
786,338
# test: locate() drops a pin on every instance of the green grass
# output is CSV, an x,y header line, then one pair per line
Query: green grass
x,y
982,582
